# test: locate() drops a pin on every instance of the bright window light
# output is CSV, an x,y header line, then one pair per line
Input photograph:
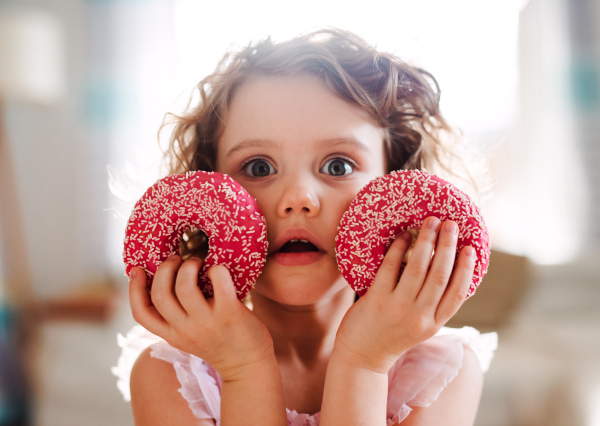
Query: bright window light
x,y
470,46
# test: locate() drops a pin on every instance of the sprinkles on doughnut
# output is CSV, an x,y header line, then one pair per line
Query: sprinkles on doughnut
x,y
389,205
212,202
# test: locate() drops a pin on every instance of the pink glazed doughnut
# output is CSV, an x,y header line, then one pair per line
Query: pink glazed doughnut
x,y
389,205
212,202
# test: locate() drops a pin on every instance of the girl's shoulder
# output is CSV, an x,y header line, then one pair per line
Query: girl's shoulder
x,y
423,372
155,397
416,380
196,380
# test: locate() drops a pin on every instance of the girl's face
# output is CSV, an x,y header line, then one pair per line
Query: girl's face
x,y
303,153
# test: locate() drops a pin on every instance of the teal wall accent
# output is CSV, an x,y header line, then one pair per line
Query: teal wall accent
x,y
585,83
108,104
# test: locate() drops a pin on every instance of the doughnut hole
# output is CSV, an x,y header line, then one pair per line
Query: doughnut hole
x,y
415,234
194,243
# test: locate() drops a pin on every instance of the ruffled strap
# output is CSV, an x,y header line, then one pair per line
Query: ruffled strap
x,y
483,345
420,375
200,383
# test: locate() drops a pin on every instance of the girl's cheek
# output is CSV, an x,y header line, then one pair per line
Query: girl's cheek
x,y
265,200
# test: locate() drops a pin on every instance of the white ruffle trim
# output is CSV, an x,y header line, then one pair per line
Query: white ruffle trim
x,y
483,345
132,345
200,383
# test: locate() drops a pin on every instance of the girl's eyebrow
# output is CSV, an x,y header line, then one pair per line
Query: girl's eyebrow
x,y
348,142
252,143
326,143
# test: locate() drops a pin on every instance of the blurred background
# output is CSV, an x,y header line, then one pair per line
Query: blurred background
x,y
84,85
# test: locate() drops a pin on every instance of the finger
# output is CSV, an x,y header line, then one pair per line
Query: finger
x,y
458,289
387,274
163,294
441,267
223,286
186,287
142,309
416,269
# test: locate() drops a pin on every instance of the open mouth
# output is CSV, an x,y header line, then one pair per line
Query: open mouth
x,y
298,246
298,253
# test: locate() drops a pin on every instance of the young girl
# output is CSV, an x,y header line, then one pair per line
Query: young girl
x,y
303,125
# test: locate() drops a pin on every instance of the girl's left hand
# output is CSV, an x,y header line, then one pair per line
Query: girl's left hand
x,y
393,316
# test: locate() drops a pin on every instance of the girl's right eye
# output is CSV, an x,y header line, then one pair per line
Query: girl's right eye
x,y
258,168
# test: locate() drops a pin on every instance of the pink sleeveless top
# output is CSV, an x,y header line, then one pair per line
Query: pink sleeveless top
x,y
415,380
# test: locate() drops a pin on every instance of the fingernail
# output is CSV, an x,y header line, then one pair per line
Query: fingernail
x,y
132,274
451,228
470,251
194,258
433,223
172,257
406,236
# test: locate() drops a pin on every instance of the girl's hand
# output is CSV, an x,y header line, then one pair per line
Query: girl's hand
x,y
393,316
220,330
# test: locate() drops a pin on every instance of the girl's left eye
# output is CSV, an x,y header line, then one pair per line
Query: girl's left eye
x,y
337,167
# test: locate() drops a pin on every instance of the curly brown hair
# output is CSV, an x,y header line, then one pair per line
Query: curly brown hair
x,y
402,99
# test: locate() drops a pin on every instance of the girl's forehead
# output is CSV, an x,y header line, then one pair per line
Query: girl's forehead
x,y
292,92
293,109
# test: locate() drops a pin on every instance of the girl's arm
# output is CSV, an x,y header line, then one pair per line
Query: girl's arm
x,y
362,394
156,401
392,317
220,330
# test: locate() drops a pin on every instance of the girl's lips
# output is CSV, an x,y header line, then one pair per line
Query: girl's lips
x,y
297,259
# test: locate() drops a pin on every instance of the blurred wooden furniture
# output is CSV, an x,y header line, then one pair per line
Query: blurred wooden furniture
x,y
500,294
18,285
91,303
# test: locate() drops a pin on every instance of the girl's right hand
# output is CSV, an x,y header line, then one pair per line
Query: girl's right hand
x,y
220,330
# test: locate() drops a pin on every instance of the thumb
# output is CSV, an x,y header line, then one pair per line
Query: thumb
x,y
222,285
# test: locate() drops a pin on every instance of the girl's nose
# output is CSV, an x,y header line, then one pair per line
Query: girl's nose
x,y
298,199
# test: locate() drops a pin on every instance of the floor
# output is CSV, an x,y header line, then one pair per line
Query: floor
x,y
546,370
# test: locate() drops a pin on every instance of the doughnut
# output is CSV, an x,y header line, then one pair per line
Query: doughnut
x,y
208,201
400,201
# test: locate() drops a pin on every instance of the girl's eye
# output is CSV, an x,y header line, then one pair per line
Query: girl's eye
x,y
258,168
337,167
